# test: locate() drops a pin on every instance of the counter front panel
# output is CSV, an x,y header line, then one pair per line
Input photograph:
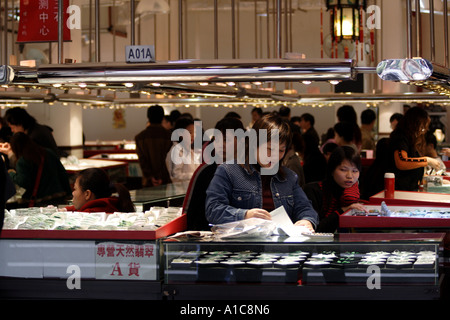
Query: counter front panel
x,y
411,259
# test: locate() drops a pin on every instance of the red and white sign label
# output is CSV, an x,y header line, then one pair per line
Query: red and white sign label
x,y
39,21
126,261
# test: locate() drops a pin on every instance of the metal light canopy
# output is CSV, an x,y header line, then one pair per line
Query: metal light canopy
x,y
345,18
211,71
417,71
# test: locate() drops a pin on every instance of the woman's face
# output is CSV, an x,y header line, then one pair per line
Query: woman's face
x,y
346,174
267,154
16,128
226,143
80,197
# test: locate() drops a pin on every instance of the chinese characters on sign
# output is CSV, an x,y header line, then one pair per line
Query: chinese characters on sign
x,y
125,261
39,21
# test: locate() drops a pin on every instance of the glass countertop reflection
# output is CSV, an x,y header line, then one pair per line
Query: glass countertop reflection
x,y
159,193
340,238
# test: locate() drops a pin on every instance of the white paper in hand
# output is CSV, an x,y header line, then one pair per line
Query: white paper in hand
x,y
285,224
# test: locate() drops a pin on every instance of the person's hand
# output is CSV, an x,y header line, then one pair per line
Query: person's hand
x,y
357,206
258,213
435,164
305,223
446,151
156,182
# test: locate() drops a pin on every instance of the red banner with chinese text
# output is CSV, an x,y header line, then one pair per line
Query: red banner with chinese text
x,y
39,21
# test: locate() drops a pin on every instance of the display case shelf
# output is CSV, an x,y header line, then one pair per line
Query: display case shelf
x,y
401,259
404,217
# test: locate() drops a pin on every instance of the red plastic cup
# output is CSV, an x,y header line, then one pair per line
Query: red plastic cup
x,y
389,185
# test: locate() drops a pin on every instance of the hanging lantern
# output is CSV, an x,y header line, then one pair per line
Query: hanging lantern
x,y
345,18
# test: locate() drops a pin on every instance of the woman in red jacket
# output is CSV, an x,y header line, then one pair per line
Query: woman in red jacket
x,y
92,192
339,191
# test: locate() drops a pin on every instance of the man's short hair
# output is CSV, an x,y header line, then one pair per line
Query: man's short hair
x,y
368,116
396,116
155,114
257,110
284,111
308,118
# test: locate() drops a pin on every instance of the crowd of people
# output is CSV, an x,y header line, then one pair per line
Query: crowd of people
x,y
315,177
320,177
31,167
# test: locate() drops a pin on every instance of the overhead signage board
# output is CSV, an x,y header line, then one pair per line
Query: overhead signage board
x,y
39,21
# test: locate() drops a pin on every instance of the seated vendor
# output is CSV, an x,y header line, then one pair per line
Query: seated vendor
x,y
92,192
258,185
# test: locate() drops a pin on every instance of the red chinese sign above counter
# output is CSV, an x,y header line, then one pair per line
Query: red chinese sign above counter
x,y
39,21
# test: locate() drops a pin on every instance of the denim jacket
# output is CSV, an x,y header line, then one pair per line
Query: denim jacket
x,y
234,189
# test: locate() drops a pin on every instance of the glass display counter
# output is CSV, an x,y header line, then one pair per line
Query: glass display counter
x,y
171,194
394,216
348,261
410,198
46,253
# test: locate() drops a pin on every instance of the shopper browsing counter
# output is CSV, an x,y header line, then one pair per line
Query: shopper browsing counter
x,y
241,191
39,171
93,193
408,150
339,191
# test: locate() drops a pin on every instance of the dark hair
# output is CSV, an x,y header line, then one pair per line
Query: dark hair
x,y
330,187
232,114
328,135
257,110
97,181
271,122
329,147
346,113
345,130
229,123
23,146
295,119
368,116
174,115
308,118
155,114
414,120
19,116
297,142
310,144
183,122
284,111
396,116
186,115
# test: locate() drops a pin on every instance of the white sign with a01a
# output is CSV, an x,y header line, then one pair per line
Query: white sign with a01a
x,y
136,54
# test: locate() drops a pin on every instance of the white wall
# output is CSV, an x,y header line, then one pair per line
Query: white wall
x,y
98,123
198,41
